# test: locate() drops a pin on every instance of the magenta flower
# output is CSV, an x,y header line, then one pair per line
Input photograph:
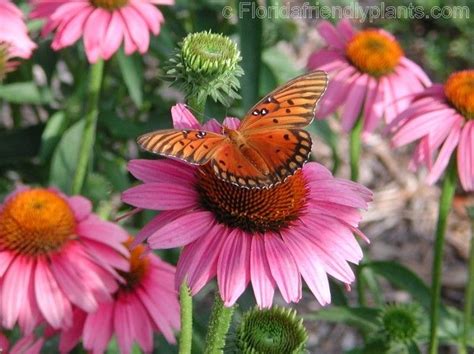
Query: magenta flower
x,y
270,237
146,302
104,24
441,119
26,345
13,31
368,72
54,253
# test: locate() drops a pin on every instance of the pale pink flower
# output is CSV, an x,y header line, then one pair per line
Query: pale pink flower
x,y
145,303
13,31
54,253
26,345
269,237
441,119
369,76
103,24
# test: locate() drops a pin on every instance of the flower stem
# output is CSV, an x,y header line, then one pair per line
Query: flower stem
x,y
447,194
186,303
355,147
469,291
198,106
88,135
218,326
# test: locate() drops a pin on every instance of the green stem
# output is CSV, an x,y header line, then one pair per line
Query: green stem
x,y
355,147
469,294
198,106
218,326
88,136
447,194
186,303
360,285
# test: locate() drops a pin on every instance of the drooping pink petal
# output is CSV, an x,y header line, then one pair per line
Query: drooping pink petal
x,y
160,196
183,230
98,328
353,105
330,35
283,268
465,157
233,266
162,171
15,287
445,154
198,261
52,302
309,265
81,207
263,283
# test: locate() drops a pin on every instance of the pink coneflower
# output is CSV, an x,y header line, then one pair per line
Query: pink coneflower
x,y
269,237
104,24
442,119
13,30
369,74
26,345
54,253
145,303
14,40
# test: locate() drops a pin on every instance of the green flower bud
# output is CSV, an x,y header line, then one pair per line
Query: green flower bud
x,y
401,323
207,64
271,331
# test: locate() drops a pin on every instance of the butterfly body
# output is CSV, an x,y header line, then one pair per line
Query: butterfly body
x,y
268,146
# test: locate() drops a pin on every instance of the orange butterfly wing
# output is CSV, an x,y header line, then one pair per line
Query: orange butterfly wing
x,y
266,158
292,105
194,146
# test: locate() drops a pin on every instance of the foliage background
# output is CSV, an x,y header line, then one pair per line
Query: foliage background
x,y
41,105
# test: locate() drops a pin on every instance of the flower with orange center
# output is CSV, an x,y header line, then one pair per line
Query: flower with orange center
x,y
374,52
145,303
459,90
270,238
36,222
103,24
369,75
442,119
55,254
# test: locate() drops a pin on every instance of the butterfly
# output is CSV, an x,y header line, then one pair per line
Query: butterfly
x,y
269,146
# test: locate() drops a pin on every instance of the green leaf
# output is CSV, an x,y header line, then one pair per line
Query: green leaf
x,y
362,318
65,158
403,278
21,143
132,72
97,188
52,134
26,93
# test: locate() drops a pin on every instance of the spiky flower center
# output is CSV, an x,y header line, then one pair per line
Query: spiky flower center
x,y
459,89
400,322
374,52
109,4
36,222
271,331
252,210
138,268
209,53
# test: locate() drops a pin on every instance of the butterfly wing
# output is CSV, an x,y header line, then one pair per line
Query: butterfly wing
x,y
193,146
292,105
284,151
